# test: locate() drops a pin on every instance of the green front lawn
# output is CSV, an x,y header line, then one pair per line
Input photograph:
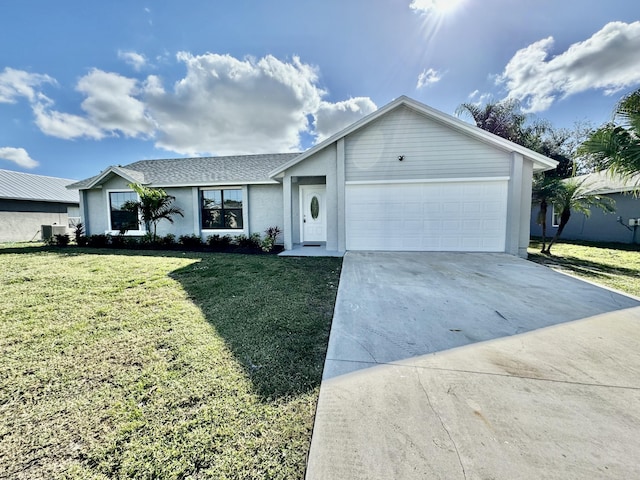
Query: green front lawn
x,y
160,365
613,265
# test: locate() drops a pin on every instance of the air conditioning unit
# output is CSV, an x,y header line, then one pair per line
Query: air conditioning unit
x,y
49,231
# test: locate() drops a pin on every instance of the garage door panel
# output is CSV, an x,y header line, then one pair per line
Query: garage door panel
x,y
466,216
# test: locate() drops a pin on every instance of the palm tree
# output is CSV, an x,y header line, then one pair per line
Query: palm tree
x,y
154,205
500,118
616,146
544,189
574,195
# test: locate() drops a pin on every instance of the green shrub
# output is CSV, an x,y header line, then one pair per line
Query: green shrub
x,y
169,240
99,241
190,241
79,235
62,240
270,239
252,241
118,241
219,243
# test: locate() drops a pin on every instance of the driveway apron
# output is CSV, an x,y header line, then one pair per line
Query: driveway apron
x,y
476,366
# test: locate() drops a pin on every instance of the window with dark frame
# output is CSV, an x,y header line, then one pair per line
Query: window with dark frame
x,y
221,209
123,219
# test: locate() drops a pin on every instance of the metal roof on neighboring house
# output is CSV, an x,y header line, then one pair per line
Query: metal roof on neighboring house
x,y
27,186
195,171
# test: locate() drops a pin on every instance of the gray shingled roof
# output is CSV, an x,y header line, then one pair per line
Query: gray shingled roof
x,y
26,186
201,171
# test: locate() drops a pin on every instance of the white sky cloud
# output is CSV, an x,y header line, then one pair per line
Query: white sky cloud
x,y
223,105
19,156
330,118
428,77
111,104
607,61
15,84
64,125
136,60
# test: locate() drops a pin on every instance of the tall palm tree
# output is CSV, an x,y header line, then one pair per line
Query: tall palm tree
x,y
544,190
500,118
571,195
617,145
154,205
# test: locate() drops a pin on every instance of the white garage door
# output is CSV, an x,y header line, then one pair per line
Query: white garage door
x,y
447,216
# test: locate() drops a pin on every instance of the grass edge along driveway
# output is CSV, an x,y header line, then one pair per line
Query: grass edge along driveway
x,y
613,265
160,364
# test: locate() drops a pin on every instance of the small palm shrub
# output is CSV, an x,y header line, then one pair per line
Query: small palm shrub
x,y
190,241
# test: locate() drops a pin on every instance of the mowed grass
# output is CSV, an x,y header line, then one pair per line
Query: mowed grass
x,y
612,265
160,365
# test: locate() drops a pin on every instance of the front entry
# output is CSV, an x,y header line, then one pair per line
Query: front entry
x,y
313,213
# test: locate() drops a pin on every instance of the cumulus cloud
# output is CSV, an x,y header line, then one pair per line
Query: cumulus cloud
x,y
225,105
607,61
15,84
428,77
64,125
19,156
111,103
330,117
110,107
136,60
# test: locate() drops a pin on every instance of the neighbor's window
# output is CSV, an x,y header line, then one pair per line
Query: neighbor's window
x,y
222,209
555,216
122,219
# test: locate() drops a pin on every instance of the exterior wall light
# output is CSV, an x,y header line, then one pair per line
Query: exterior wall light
x,y
400,157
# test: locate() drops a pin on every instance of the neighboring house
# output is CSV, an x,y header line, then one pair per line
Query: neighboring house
x,y
599,226
406,177
28,201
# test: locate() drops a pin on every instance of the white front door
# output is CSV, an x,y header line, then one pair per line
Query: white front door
x,y
313,212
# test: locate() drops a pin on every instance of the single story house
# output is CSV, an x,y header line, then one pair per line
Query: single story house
x,y
406,177
29,201
599,226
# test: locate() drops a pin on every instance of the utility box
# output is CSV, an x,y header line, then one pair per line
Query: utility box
x,y
50,231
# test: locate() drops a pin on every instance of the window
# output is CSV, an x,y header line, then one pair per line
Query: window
x,y
222,209
555,216
122,219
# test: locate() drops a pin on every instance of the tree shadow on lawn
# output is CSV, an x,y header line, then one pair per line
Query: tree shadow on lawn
x,y
273,313
584,267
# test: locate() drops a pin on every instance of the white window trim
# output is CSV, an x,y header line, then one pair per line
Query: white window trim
x,y
129,233
553,217
226,231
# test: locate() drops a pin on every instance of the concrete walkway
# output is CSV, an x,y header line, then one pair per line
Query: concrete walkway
x,y
476,366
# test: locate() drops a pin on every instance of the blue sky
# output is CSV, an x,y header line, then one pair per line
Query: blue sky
x,y
85,85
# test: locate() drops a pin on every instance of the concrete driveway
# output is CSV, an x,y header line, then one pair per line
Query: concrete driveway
x,y
476,366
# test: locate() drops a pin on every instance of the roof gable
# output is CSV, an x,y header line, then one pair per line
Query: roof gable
x,y
541,162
